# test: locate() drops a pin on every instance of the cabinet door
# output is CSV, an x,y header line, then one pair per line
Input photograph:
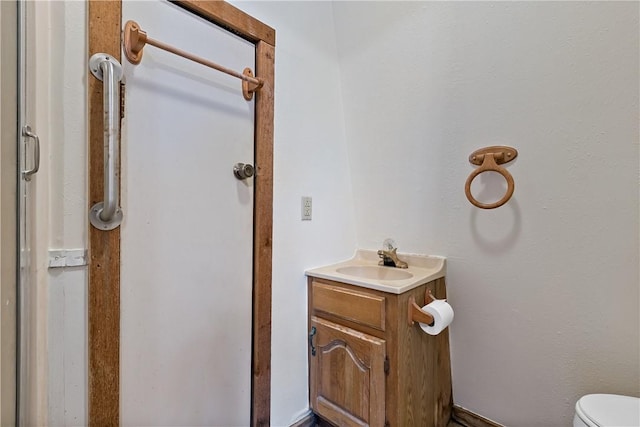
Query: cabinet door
x,y
347,379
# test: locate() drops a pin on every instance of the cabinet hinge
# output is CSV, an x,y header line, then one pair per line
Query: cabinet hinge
x,y
386,365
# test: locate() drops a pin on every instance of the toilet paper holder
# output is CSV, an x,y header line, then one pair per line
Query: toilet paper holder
x,y
415,313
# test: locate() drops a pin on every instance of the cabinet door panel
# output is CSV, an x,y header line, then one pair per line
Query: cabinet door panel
x,y
347,375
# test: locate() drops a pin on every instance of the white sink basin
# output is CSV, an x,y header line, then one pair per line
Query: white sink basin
x,y
375,272
363,270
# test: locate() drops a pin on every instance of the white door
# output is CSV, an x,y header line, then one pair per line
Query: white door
x,y
187,234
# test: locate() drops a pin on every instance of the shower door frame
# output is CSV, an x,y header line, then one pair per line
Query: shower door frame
x,y
105,28
9,211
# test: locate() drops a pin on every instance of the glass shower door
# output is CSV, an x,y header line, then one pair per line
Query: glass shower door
x,y
28,164
8,210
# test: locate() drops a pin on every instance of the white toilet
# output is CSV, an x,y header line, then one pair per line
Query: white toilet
x,y
607,410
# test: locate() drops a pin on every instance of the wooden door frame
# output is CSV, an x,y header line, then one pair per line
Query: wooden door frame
x,y
105,28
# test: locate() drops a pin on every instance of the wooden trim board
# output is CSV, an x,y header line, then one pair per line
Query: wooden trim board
x,y
104,246
459,416
262,237
105,22
470,419
310,420
232,19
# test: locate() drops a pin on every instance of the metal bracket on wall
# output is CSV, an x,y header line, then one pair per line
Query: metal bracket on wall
x,y
60,258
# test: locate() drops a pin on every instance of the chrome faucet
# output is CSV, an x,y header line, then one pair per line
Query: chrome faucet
x,y
390,258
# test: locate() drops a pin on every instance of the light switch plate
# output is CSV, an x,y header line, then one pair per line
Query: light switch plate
x,y
307,209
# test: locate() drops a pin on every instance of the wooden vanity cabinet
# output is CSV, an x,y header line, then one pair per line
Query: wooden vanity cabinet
x,y
368,366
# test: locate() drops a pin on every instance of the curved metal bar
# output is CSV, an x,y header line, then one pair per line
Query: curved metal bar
x,y
26,132
107,215
111,98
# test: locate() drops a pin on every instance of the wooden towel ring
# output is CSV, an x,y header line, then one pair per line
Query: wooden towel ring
x,y
489,159
415,313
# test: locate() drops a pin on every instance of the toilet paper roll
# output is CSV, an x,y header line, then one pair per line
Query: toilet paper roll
x,y
442,314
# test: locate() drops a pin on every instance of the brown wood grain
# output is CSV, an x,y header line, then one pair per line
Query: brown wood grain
x,y
232,19
349,378
467,418
424,367
349,304
324,423
338,414
104,246
263,231
394,387
444,393
418,386
309,420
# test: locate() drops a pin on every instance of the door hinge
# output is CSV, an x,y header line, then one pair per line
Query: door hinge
x,y
122,101
386,365
61,258
311,335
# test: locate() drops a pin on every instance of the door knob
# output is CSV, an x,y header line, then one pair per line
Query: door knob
x,y
243,171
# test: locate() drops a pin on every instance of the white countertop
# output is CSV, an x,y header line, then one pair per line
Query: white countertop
x,y
363,270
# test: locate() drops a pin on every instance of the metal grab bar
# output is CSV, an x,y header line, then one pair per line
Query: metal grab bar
x,y
107,215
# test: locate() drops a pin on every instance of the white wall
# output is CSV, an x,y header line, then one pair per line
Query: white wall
x,y
545,77
310,159
545,288
62,72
